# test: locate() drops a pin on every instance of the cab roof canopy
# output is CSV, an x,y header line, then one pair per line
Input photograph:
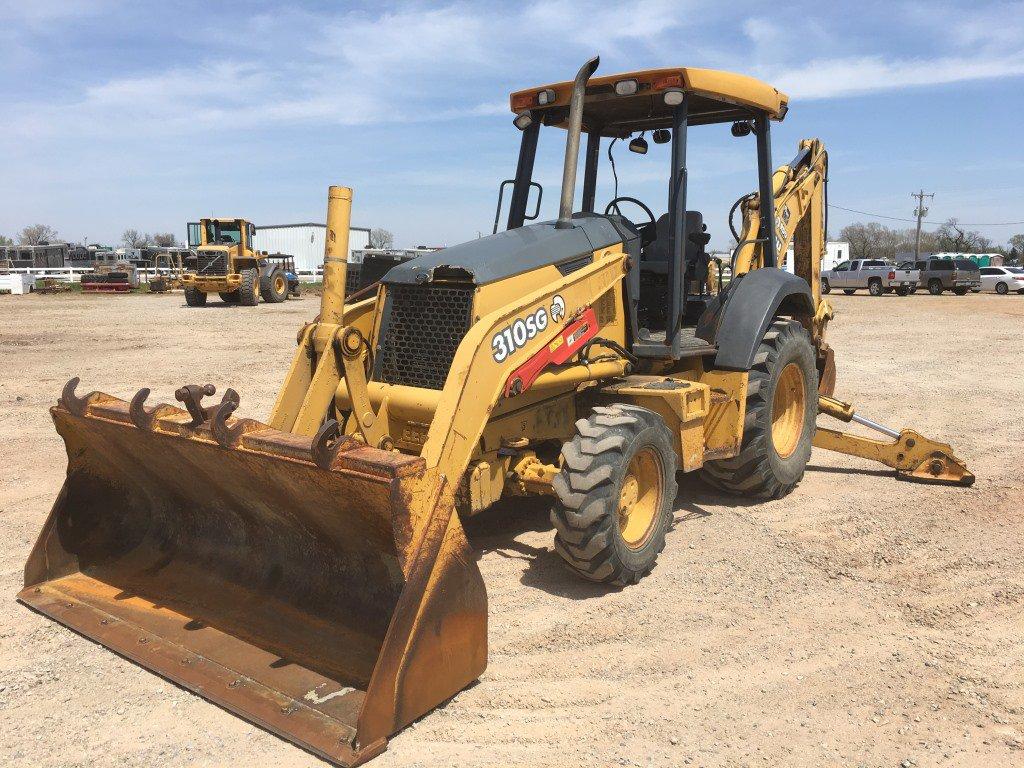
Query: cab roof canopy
x,y
618,105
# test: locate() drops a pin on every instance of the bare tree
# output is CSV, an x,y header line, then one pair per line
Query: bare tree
x,y
381,238
132,238
164,239
37,234
952,237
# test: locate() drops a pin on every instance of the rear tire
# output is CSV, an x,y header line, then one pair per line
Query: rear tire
x,y
935,287
825,287
1002,289
195,298
249,290
782,403
849,291
614,494
961,291
274,287
901,291
875,287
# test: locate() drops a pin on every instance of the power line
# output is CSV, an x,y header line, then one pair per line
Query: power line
x,y
914,221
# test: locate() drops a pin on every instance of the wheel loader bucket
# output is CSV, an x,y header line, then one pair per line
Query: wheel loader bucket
x,y
322,590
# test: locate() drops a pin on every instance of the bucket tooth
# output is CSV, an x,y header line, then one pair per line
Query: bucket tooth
x,y
229,436
71,401
143,417
328,443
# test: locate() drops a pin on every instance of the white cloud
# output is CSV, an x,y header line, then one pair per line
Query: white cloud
x,y
832,78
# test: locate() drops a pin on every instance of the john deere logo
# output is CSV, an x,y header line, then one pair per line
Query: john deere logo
x,y
557,308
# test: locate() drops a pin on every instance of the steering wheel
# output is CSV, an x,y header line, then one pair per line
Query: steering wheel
x,y
614,205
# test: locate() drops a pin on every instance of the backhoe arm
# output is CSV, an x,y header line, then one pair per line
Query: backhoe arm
x,y
798,197
910,453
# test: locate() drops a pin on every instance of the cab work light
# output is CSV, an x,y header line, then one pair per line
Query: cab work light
x,y
626,87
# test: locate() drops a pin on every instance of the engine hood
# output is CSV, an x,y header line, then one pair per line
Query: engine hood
x,y
510,253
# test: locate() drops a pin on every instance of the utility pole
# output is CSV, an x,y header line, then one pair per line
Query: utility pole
x,y
920,212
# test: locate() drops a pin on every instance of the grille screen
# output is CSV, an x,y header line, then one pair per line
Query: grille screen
x,y
212,263
352,271
424,327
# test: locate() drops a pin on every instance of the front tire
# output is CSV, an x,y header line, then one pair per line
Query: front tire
x,y
195,298
614,494
782,404
849,291
274,287
249,290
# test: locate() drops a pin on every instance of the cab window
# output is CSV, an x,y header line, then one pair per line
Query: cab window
x,y
843,267
223,233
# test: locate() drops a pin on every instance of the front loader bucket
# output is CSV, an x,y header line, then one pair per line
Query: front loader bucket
x,y
324,592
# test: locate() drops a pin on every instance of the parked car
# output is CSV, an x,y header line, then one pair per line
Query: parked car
x,y
956,275
1002,280
875,275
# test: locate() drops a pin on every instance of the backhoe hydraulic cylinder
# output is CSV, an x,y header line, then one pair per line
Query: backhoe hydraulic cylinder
x,y
339,213
875,426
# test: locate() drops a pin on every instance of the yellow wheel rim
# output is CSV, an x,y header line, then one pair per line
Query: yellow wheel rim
x,y
788,411
279,285
640,498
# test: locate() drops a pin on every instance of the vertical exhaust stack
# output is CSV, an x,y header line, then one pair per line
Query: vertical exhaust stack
x,y
572,142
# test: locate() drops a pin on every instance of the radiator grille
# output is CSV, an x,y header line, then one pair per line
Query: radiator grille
x,y
424,327
352,272
212,263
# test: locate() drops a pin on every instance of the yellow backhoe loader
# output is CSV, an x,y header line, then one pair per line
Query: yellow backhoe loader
x,y
226,263
311,573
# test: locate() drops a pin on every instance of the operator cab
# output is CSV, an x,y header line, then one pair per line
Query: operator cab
x,y
674,280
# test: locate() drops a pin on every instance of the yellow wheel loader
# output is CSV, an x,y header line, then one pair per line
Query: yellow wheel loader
x,y
225,263
311,572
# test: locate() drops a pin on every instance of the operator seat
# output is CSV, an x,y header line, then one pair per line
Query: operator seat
x,y
654,262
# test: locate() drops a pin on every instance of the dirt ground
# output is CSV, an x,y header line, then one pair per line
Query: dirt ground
x,y
859,621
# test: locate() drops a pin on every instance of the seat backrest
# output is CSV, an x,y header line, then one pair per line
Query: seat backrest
x,y
696,238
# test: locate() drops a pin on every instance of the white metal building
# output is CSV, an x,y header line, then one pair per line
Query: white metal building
x,y
836,251
305,242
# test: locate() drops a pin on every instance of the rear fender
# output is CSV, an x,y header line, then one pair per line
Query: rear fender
x,y
738,320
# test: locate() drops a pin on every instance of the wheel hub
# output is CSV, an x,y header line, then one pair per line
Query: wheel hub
x,y
640,498
788,411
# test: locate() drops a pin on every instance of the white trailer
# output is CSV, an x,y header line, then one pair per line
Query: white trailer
x,y
306,243
836,252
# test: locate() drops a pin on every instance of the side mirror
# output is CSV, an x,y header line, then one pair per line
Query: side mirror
x,y
638,145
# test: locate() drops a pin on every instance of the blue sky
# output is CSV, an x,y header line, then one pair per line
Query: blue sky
x,y
147,115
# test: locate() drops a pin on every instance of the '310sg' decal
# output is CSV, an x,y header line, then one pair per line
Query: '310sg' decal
x,y
516,335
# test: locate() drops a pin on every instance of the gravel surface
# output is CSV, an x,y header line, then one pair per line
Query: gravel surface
x,y
859,621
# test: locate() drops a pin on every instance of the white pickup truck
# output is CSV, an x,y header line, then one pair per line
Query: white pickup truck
x,y
877,276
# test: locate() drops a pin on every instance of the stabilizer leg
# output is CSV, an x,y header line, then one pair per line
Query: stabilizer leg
x,y
911,454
